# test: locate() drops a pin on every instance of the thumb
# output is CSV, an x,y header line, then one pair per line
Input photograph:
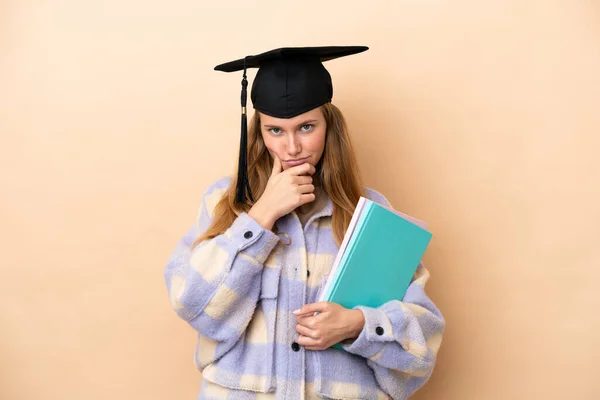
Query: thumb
x,y
276,165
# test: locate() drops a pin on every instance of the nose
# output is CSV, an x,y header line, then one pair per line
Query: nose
x,y
293,146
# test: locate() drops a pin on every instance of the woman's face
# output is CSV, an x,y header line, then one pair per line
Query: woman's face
x,y
295,140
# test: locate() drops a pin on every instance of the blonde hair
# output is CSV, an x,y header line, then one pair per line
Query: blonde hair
x,y
337,174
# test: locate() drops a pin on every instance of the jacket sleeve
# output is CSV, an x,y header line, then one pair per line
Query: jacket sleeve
x,y
216,286
400,339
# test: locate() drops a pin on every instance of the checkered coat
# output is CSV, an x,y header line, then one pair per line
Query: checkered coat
x,y
238,291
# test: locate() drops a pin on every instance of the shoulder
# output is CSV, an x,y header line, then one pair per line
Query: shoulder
x,y
220,185
214,192
377,197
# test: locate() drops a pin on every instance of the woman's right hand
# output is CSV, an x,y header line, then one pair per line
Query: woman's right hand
x,y
285,191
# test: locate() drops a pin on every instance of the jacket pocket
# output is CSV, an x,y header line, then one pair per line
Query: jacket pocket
x,y
344,376
269,286
250,364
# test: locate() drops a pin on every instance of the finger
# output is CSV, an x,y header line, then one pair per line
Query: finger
x,y
307,320
307,198
311,169
312,308
301,317
312,348
304,331
302,169
302,179
305,341
312,322
304,189
276,165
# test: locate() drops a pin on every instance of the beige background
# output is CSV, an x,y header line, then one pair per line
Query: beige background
x,y
478,117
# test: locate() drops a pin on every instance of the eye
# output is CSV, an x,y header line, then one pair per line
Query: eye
x,y
275,131
306,128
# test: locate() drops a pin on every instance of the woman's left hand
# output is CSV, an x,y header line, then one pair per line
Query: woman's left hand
x,y
332,325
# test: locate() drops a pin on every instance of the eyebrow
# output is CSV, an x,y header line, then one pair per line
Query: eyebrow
x,y
311,121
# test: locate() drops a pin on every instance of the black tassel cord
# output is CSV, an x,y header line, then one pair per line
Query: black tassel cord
x,y
242,184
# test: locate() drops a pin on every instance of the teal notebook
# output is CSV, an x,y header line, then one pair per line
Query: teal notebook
x,y
379,255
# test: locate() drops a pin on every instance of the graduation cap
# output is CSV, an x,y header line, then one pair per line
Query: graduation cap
x,y
290,81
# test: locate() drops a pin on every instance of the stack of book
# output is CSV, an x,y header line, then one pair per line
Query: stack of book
x,y
378,257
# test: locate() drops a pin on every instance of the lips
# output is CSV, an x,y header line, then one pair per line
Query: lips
x,y
298,160
293,163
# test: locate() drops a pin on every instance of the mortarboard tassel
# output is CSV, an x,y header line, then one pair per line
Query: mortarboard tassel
x,y
242,178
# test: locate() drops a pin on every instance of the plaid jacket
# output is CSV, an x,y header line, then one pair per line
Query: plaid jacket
x,y
238,292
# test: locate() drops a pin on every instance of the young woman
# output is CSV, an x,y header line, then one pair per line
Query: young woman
x,y
248,274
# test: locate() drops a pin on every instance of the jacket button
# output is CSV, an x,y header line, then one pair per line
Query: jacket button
x,y
248,234
379,330
307,273
295,346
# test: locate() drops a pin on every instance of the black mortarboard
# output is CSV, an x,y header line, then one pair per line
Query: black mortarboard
x,y
290,81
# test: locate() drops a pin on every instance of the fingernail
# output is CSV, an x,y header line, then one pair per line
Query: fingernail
x,y
296,311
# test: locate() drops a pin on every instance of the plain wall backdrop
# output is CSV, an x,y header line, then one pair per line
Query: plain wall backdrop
x,y
479,117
